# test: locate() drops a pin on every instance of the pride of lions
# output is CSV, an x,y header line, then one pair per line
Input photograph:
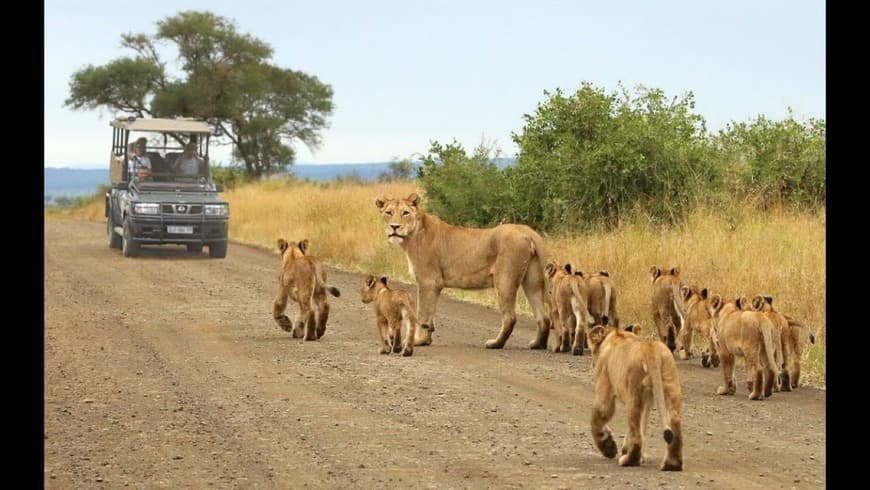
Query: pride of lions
x,y
637,372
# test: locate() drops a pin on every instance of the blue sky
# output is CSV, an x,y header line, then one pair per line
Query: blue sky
x,y
407,72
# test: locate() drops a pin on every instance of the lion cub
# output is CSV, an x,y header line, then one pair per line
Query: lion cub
x,y
698,318
395,310
749,334
638,373
666,308
568,292
790,332
303,280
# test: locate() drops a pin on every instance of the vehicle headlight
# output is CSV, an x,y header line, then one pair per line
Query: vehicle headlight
x,y
146,208
216,210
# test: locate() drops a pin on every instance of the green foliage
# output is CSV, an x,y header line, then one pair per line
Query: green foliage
x,y
227,80
230,176
593,157
466,190
776,162
403,169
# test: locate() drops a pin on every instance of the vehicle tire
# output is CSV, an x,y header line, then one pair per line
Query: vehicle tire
x,y
217,250
128,246
114,238
194,248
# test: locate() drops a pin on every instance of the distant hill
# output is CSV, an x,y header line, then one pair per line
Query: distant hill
x,y
78,182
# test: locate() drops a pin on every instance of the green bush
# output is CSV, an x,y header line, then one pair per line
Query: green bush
x,y
466,190
592,158
399,170
230,176
776,162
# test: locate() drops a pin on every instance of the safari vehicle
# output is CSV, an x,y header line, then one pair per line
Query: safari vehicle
x,y
167,207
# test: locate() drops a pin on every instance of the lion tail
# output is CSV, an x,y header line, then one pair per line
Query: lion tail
x,y
608,292
655,374
319,277
581,310
794,323
678,307
770,350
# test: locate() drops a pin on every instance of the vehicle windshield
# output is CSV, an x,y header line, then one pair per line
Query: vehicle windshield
x,y
169,162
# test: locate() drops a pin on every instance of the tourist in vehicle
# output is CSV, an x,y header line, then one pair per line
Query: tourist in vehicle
x,y
140,164
189,163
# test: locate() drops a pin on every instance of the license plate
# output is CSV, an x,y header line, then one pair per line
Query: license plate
x,y
179,229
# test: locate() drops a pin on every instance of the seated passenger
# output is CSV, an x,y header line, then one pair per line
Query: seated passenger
x,y
140,164
189,163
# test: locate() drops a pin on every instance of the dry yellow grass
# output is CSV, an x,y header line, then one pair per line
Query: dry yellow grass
x,y
735,251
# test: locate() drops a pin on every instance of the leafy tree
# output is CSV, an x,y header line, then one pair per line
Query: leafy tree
x,y
225,79
592,157
776,162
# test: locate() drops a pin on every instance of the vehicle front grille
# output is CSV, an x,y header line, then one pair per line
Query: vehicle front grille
x,y
182,209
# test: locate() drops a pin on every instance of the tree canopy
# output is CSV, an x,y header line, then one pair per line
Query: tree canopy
x,y
226,79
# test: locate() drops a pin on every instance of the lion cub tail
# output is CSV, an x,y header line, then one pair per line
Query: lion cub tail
x,y
318,276
655,373
608,293
578,304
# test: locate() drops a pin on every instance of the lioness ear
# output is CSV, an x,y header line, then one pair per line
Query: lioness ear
x,y
380,201
675,271
604,273
303,246
282,245
384,280
579,273
655,272
741,302
370,281
413,199
704,293
769,300
568,268
605,320
596,335
716,302
635,329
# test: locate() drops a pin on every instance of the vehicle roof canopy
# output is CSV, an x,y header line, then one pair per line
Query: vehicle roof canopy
x,y
162,125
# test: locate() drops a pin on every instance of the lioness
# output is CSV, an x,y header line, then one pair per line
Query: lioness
x,y
790,331
667,314
303,280
394,309
638,373
569,314
698,318
749,334
441,255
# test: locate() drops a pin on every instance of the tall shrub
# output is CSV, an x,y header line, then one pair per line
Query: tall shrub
x,y
592,157
463,189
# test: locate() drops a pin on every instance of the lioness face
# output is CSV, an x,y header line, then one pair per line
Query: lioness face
x,y
401,216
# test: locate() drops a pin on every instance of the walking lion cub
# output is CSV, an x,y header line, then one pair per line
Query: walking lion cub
x,y
303,280
638,373
395,310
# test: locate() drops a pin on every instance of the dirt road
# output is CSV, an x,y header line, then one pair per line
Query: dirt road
x,y
167,371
